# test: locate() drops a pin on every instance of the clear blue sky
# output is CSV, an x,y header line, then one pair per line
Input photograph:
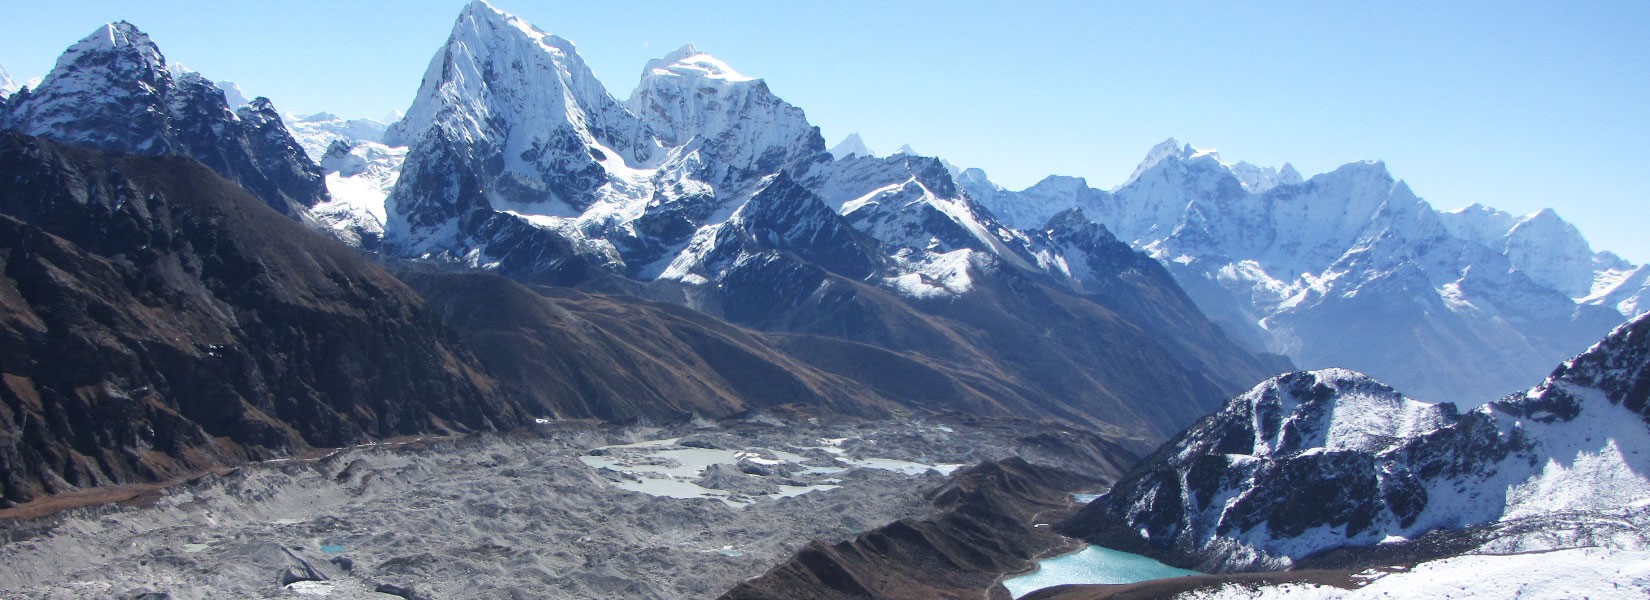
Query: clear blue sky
x,y
1513,104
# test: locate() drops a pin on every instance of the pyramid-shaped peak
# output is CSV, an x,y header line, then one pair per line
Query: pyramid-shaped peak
x,y
1287,175
124,40
1169,148
480,23
852,145
118,34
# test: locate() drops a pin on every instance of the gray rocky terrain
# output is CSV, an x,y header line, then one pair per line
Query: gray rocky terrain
x,y
519,515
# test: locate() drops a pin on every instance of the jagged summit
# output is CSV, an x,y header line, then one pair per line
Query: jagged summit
x,y
496,62
508,117
115,50
1254,178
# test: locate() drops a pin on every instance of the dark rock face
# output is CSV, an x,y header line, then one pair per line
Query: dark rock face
x,y
1619,366
443,187
788,218
112,91
159,320
569,354
984,526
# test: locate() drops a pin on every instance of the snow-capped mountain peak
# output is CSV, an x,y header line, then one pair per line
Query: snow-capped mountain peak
x,y
502,88
7,86
233,94
690,62
852,145
1254,178
1163,150
498,66
120,36
733,123
113,91
1552,252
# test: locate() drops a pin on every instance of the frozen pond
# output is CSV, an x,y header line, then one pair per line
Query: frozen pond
x,y
665,468
1093,564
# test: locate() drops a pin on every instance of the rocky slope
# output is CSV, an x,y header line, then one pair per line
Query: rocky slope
x,y
1341,269
1312,461
160,321
984,525
573,355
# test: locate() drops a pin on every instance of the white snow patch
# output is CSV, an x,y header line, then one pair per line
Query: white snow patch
x,y
937,275
1596,573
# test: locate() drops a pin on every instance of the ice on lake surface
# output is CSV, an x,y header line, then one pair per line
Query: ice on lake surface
x,y
1094,564
663,468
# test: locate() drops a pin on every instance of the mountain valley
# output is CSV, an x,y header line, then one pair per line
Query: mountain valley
x,y
530,339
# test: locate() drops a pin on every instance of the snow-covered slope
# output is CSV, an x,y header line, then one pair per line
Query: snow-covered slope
x,y
696,103
1351,268
317,132
114,91
360,171
7,85
1315,460
360,175
1594,573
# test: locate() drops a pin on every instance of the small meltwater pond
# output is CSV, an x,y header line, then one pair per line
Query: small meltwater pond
x,y
1093,564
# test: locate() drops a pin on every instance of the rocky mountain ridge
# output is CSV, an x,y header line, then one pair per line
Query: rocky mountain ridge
x,y
114,91
1315,461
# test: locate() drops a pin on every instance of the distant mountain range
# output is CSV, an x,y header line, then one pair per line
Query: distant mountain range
x,y
1352,269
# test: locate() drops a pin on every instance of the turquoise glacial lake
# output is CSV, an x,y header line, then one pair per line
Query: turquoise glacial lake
x,y
1093,564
